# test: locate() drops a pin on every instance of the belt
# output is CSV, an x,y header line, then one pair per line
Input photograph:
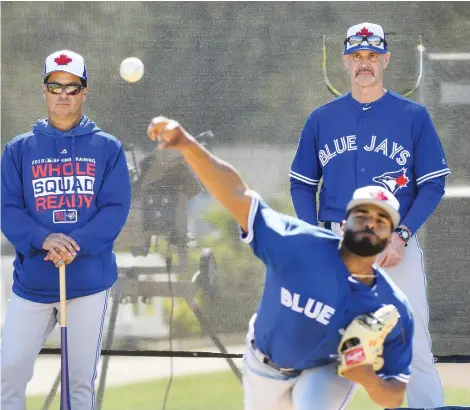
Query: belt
x,y
327,225
268,362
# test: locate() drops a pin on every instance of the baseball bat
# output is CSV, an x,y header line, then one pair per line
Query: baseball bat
x,y
64,366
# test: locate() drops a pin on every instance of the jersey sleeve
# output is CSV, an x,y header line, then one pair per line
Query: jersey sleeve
x,y
430,160
270,234
397,353
306,167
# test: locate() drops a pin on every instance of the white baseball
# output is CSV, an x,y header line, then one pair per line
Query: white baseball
x,y
131,69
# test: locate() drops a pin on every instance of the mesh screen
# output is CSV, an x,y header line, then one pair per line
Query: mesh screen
x,y
244,76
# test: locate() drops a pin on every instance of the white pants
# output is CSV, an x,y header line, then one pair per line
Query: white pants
x,y
424,388
27,327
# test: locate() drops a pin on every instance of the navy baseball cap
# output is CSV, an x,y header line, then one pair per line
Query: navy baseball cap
x,y
365,36
68,61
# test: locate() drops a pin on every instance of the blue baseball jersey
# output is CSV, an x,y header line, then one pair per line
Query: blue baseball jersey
x,y
391,142
309,295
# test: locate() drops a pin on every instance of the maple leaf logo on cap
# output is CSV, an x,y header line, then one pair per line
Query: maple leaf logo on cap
x,y
62,60
380,196
364,32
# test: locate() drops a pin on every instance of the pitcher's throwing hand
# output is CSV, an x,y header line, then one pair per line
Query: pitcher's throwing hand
x,y
168,133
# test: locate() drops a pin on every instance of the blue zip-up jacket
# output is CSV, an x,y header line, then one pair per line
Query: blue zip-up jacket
x,y
75,182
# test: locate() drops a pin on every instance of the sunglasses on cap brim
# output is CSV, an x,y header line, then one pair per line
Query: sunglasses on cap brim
x,y
373,41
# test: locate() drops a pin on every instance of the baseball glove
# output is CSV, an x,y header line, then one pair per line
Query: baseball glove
x,y
362,341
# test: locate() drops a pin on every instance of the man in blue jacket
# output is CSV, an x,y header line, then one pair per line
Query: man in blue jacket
x,y
65,198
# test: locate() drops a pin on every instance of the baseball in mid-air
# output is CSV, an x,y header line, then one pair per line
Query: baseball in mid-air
x,y
131,69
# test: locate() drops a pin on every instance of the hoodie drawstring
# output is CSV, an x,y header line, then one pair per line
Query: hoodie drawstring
x,y
74,168
74,179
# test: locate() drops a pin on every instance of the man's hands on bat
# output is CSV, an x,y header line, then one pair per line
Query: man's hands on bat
x,y
61,249
63,257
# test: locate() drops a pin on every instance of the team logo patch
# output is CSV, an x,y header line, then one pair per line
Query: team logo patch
x,y
364,32
380,196
63,59
65,216
393,181
355,356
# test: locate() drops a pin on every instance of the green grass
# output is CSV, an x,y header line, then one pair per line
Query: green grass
x,y
215,391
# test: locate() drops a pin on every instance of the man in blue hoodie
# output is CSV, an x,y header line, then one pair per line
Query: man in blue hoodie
x,y
66,196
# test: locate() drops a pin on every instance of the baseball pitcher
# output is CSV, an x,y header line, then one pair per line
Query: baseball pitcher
x,y
328,318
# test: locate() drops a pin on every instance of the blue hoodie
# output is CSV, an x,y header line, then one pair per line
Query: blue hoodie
x,y
75,182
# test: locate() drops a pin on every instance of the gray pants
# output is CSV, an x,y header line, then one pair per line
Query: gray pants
x,y
27,327
315,389
265,388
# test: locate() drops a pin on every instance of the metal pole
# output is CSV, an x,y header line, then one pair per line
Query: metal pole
x,y
206,326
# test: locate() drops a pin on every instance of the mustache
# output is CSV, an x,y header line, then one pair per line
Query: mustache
x,y
368,230
364,70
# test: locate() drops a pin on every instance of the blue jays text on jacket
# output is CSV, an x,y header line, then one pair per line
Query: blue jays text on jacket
x,y
391,142
75,182
309,295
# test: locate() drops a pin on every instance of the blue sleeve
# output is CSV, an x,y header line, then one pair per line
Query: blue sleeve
x,y
304,198
427,199
113,201
18,226
429,157
270,234
397,353
305,173
430,170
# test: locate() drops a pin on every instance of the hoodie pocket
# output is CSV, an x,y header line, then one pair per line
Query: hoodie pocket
x,y
37,275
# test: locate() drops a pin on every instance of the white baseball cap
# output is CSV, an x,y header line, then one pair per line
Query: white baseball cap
x,y
379,196
65,60
356,38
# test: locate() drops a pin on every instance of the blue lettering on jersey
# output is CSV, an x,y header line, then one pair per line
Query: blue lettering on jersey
x,y
347,144
313,309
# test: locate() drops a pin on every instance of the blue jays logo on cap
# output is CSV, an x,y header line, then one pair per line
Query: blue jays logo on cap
x,y
65,60
365,36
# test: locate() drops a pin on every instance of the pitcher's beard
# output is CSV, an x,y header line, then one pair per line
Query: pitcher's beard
x,y
363,246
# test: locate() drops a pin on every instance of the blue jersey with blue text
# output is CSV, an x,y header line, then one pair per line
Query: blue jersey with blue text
x,y
390,142
309,296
